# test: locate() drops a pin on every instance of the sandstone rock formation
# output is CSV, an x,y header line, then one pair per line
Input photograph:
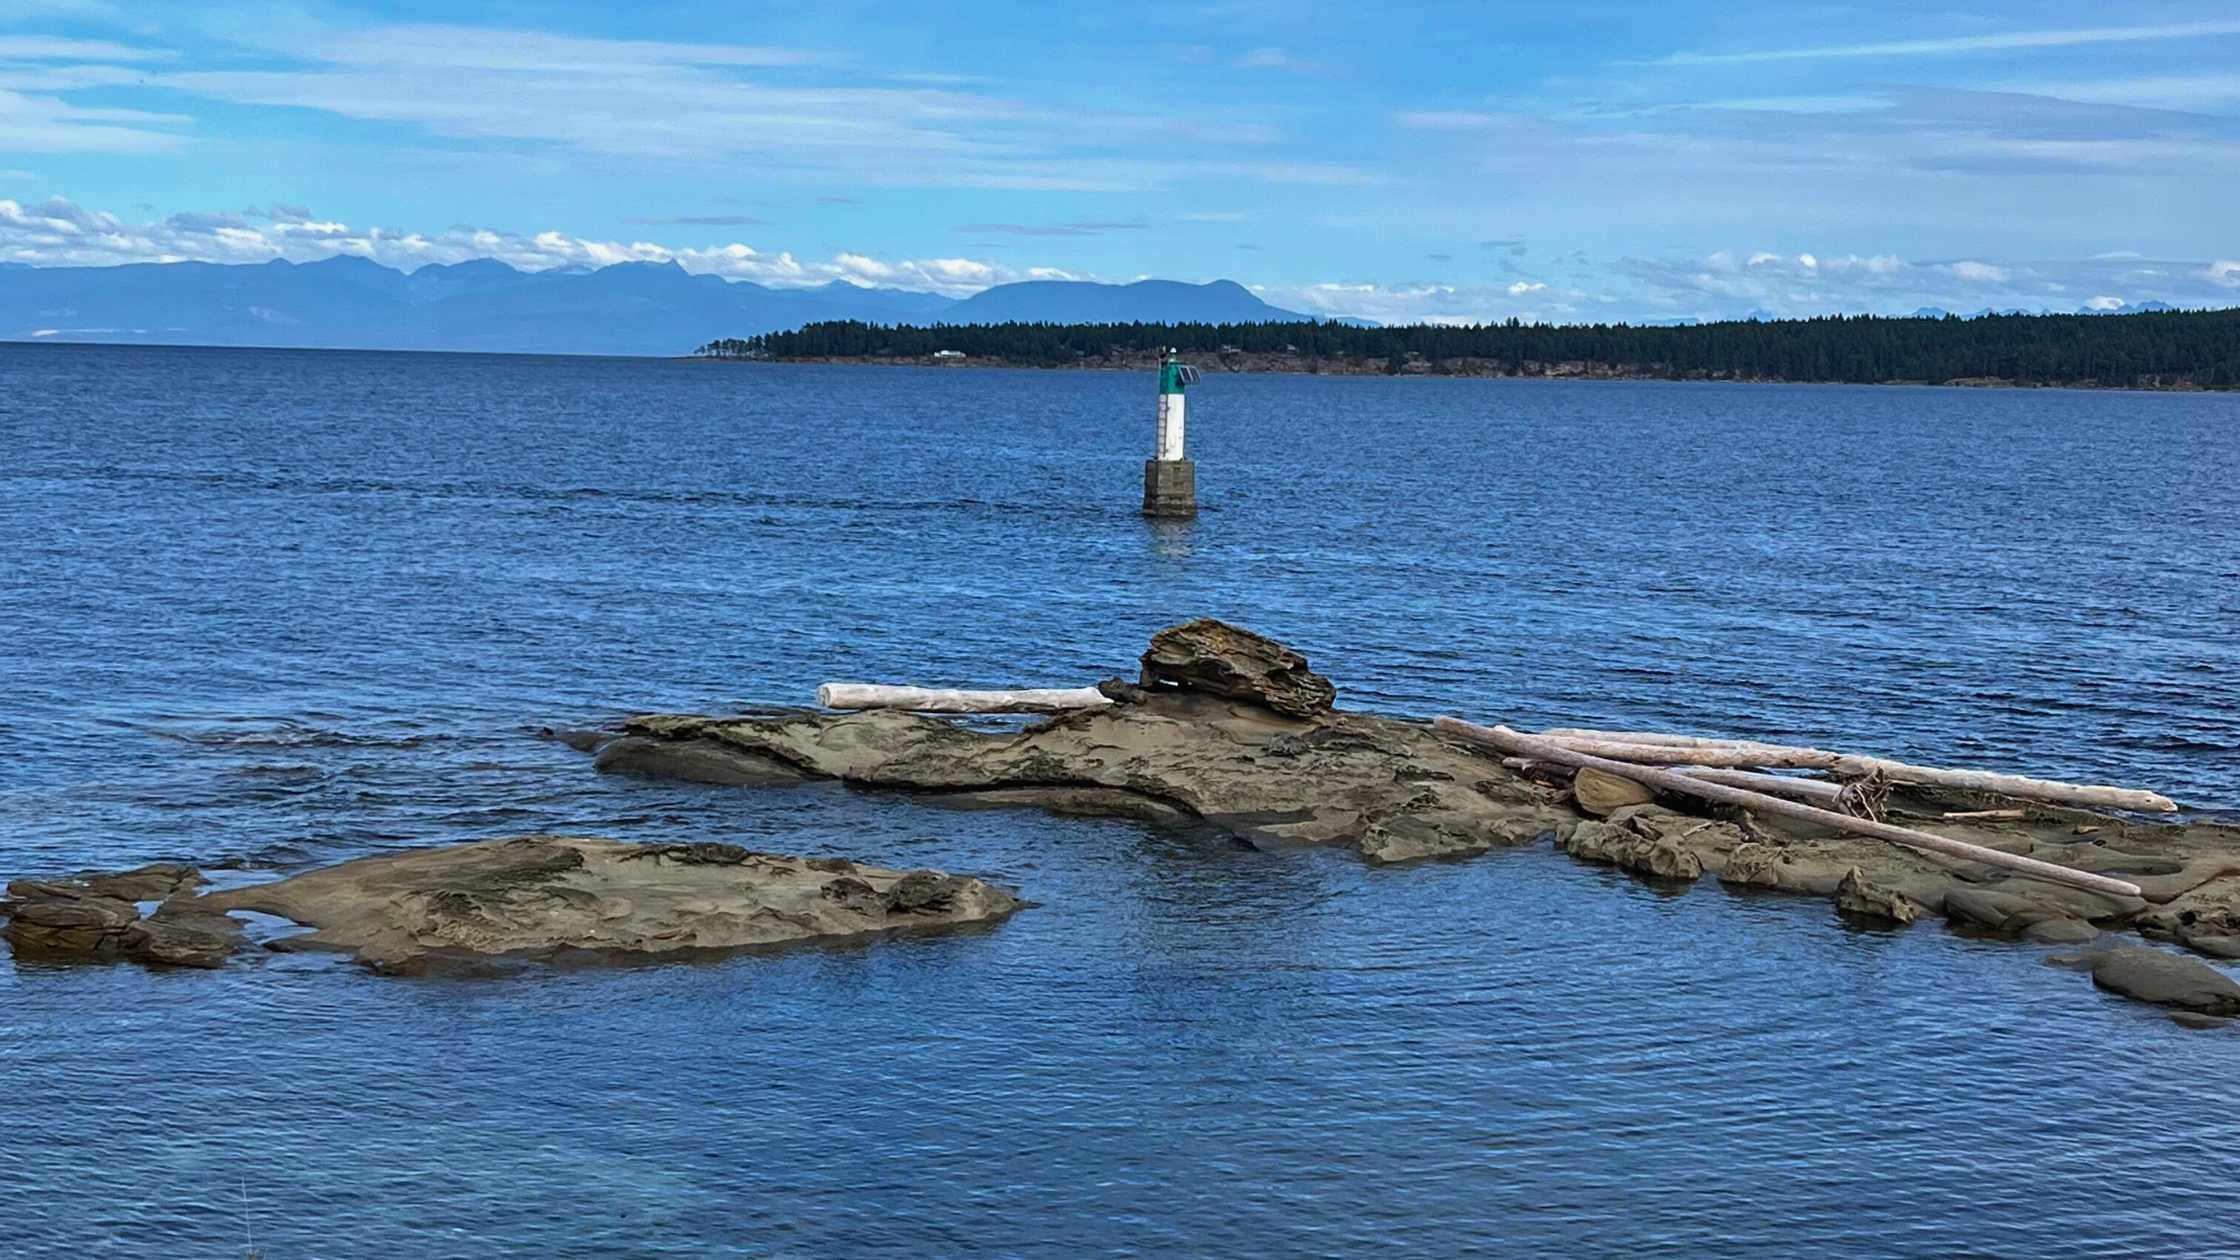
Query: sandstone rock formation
x,y
1859,895
1229,730
534,897
2151,975
95,915
1218,659
1392,790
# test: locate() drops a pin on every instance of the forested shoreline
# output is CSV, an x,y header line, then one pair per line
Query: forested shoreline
x,y
2154,350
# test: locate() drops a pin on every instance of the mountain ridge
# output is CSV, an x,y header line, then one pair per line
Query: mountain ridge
x,y
628,308
483,304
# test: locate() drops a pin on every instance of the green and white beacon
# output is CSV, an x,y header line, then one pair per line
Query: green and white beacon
x,y
1170,480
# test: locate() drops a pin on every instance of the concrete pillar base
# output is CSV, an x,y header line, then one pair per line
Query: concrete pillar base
x,y
1170,487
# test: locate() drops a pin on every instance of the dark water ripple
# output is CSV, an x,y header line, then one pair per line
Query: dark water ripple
x,y
279,608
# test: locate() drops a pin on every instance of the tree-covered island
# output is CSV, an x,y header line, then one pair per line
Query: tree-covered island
x,y
2154,350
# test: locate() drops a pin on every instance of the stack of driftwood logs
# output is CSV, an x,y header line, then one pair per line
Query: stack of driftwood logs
x,y
1733,772
1622,767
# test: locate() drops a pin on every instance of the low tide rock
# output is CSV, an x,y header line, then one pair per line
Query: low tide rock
x,y
1861,896
1219,659
1231,731
67,918
547,896
2150,975
1995,911
1644,841
153,882
2214,944
2060,931
689,760
1394,791
177,936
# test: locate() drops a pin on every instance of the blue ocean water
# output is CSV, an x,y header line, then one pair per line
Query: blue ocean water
x,y
278,608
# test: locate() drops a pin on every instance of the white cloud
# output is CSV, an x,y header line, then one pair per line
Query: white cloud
x,y
2104,303
1565,289
1271,58
1964,43
2161,91
448,47
31,123
1446,120
59,232
792,115
1305,173
57,48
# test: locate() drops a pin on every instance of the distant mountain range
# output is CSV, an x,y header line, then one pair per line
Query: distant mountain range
x,y
628,308
1144,302
2128,308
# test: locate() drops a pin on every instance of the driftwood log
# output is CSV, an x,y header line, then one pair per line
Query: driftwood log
x,y
1819,790
1659,749
1502,739
842,695
1803,789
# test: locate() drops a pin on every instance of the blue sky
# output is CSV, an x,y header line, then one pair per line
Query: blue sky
x,y
1444,161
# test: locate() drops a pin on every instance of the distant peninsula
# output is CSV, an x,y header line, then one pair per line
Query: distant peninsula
x,y
2168,350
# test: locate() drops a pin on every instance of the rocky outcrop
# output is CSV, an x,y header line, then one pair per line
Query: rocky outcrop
x,y
693,761
1860,896
547,896
1218,659
1229,730
535,897
2204,917
1394,791
2150,975
97,916
1652,840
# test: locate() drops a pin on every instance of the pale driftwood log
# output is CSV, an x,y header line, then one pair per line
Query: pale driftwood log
x,y
1658,749
1771,784
840,695
1733,754
1641,737
1776,784
1502,739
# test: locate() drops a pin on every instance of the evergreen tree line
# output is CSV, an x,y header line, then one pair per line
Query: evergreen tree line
x,y
2174,348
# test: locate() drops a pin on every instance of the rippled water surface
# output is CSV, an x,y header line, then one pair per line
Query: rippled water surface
x,y
285,608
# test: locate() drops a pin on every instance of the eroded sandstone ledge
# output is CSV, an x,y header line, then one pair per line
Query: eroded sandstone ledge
x,y
1297,770
535,897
